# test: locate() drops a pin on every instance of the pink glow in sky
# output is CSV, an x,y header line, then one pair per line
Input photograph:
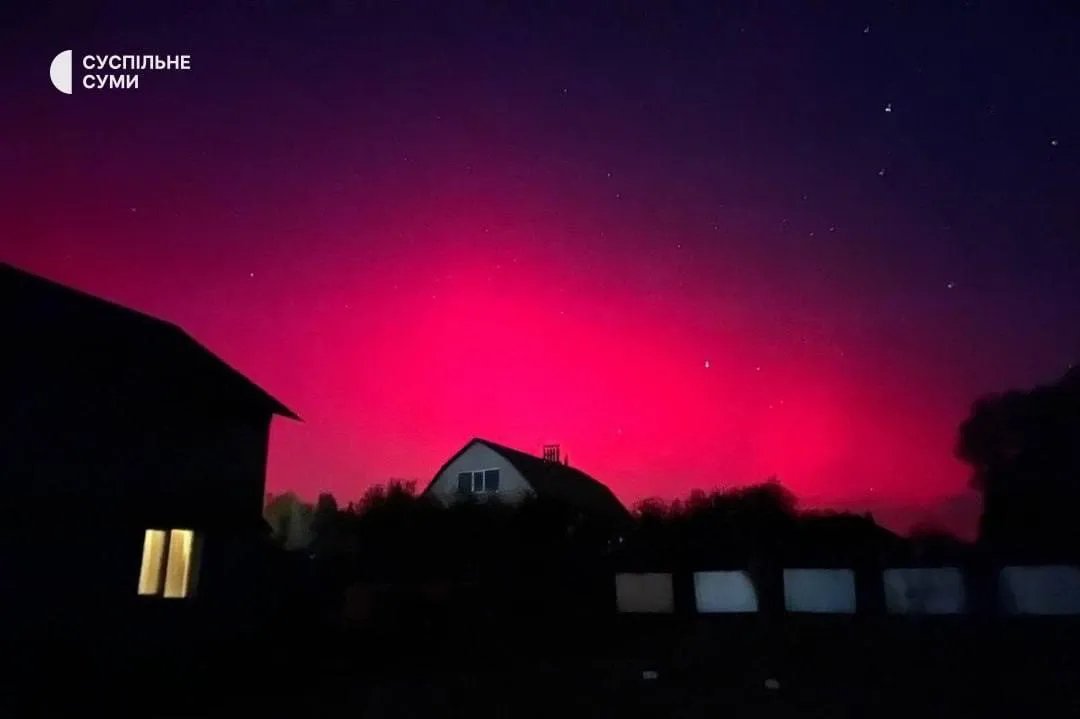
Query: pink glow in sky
x,y
688,245
455,319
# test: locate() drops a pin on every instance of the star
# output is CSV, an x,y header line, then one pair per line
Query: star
x,y
881,172
888,107
1053,142
950,285
707,364
251,274
832,228
132,209
866,30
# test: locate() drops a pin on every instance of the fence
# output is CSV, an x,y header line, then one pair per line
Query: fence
x,y
1049,590
1052,590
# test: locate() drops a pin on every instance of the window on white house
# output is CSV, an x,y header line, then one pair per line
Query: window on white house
x,y
168,563
484,480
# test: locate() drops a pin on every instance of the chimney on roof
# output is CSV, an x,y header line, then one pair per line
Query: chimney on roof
x,y
551,453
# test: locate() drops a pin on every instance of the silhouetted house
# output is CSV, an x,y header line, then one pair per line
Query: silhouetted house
x,y
133,462
483,470
840,539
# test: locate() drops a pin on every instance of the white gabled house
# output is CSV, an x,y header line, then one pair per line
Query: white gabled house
x,y
483,469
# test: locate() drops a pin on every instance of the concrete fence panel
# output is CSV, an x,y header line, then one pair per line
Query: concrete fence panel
x,y
644,593
925,590
1039,590
819,591
730,592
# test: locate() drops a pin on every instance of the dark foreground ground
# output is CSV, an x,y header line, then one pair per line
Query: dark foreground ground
x,y
826,667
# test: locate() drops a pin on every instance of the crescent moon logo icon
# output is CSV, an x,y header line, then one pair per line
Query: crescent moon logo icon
x,y
60,72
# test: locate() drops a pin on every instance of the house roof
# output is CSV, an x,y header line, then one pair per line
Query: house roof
x,y
89,321
551,479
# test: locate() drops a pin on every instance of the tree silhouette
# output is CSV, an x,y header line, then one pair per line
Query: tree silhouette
x,y
289,519
931,544
1024,451
722,528
325,527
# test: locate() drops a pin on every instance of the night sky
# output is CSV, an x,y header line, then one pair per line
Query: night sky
x,y
697,244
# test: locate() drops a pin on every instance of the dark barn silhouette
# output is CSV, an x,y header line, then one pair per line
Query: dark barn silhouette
x,y
133,462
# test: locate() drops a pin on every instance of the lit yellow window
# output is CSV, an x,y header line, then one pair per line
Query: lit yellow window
x,y
178,571
152,554
173,552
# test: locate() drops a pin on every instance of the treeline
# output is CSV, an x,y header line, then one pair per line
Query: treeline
x,y
393,534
